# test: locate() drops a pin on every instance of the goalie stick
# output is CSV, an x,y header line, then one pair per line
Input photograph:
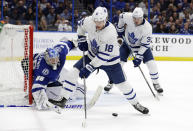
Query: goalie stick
x,y
90,104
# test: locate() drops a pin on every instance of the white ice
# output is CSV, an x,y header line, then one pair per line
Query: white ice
x,y
174,111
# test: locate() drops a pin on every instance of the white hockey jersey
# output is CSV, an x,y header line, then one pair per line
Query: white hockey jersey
x,y
103,48
137,37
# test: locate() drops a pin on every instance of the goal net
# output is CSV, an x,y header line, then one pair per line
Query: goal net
x,y
16,45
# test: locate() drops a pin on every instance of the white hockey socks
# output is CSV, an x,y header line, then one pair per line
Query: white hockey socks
x,y
153,71
128,92
69,84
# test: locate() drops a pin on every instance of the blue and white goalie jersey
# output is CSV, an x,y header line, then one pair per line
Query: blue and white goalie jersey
x,y
103,48
137,37
44,73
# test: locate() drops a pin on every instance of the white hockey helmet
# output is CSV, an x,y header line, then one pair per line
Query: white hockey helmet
x,y
100,14
138,12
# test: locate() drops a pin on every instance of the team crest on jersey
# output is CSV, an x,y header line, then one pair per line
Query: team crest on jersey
x,y
94,46
45,71
131,38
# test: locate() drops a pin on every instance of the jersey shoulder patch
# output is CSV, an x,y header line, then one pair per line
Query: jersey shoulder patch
x,y
45,71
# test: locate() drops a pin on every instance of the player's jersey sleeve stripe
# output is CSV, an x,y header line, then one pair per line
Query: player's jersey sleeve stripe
x,y
135,46
108,60
120,29
145,45
67,45
113,59
69,83
68,89
101,58
103,53
90,53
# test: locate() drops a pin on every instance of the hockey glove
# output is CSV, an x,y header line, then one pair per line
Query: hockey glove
x,y
137,60
86,71
82,43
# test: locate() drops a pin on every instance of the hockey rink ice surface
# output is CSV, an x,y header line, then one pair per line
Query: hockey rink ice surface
x,y
174,111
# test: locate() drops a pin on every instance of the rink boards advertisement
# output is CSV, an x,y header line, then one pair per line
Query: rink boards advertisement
x,y
164,47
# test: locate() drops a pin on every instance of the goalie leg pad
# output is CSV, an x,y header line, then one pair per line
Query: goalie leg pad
x,y
41,99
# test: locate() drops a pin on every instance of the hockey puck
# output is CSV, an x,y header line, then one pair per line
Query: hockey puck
x,y
114,114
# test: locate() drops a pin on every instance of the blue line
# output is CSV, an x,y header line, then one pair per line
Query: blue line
x,y
2,106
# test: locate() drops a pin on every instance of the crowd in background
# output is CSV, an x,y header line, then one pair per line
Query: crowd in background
x,y
166,16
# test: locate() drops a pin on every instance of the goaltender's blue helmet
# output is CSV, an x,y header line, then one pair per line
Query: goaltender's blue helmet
x,y
52,57
52,53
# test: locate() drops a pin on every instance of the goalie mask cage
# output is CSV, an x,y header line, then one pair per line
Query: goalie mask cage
x,y
16,45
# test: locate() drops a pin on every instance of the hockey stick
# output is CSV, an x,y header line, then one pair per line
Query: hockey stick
x,y
85,90
155,96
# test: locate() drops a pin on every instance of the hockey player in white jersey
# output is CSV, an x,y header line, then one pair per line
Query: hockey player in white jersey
x,y
135,34
102,53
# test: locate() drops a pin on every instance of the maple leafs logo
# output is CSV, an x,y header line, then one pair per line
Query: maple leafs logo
x,y
131,38
94,46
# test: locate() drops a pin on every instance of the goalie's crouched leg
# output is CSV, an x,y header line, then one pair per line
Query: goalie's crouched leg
x,y
40,98
54,92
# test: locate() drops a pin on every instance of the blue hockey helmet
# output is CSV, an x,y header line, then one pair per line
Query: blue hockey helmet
x,y
52,57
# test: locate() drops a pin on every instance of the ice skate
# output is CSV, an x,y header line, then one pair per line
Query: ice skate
x,y
108,87
141,108
59,103
158,88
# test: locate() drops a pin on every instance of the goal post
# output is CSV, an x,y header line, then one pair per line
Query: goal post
x,y
16,44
